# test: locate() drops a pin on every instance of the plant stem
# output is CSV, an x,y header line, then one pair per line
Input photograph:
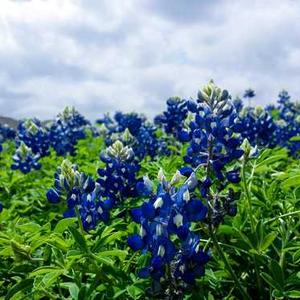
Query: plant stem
x,y
243,292
252,221
248,196
283,216
79,222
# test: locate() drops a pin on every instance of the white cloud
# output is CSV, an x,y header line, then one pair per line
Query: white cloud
x,y
131,55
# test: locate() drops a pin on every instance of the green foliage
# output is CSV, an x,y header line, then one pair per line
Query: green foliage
x,y
44,256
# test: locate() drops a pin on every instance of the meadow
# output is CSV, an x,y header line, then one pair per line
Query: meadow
x,y
203,202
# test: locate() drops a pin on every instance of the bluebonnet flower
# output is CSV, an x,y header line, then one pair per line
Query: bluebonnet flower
x,y
81,193
249,93
132,121
286,116
67,129
257,125
1,207
118,178
143,138
6,133
215,146
147,143
238,104
107,127
214,142
164,218
25,160
35,136
172,120
66,178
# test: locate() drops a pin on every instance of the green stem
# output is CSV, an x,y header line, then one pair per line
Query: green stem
x,y
283,216
243,292
79,222
252,221
248,196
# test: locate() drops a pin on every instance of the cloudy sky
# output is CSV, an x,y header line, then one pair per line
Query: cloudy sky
x,y
130,55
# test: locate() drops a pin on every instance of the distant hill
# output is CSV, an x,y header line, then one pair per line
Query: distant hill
x,y
9,121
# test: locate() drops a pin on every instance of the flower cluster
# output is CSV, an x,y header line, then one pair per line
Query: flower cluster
x,y
81,194
213,134
68,128
165,230
132,121
172,120
25,160
34,136
257,125
215,146
143,139
147,143
249,93
288,124
275,125
6,133
118,178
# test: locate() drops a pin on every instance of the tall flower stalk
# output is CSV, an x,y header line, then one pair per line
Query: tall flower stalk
x,y
215,147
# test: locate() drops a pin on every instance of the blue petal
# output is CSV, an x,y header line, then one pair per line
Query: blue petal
x,y
148,210
53,196
144,273
196,210
136,214
135,242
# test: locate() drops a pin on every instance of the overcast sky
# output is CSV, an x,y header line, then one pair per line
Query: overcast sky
x,y
132,55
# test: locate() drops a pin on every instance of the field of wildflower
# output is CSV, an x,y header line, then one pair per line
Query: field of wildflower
x,y
203,202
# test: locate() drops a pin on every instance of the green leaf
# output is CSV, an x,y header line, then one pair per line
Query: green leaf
x,y
63,224
134,292
245,239
259,233
43,270
268,161
51,277
278,295
113,237
268,279
73,289
29,227
82,293
119,293
296,257
226,229
20,286
291,181
79,239
295,139
268,240
118,253
293,294
277,273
